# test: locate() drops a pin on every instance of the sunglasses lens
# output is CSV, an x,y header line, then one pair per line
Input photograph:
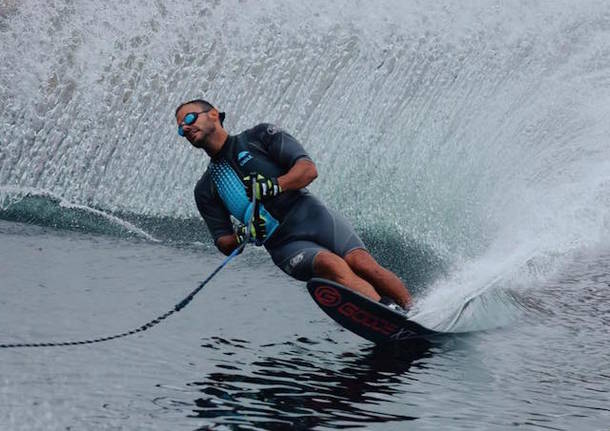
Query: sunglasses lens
x,y
190,118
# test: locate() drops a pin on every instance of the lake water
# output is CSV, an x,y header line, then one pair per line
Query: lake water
x,y
253,351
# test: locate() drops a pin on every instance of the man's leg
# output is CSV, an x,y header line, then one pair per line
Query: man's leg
x,y
385,282
332,267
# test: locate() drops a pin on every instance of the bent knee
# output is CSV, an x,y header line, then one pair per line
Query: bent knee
x,y
360,261
326,263
326,260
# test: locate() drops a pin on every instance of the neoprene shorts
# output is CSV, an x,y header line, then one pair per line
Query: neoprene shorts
x,y
310,227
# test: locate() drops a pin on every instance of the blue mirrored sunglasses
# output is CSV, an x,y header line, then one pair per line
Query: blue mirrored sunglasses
x,y
189,119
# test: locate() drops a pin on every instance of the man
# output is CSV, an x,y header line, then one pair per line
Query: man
x,y
304,238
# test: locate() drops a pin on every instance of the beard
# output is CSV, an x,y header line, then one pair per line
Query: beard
x,y
201,137
200,142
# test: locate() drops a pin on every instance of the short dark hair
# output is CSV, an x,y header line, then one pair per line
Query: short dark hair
x,y
205,105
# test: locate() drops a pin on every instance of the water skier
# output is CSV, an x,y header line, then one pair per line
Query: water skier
x,y
304,238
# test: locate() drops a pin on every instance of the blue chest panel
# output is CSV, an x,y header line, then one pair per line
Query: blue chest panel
x,y
231,191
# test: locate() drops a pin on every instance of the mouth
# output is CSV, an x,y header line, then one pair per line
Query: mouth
x,y
196,138
191,134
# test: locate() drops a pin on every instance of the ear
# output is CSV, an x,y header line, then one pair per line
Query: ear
x,y
213,113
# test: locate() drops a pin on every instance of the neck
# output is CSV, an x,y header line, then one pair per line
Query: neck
x,y
216,142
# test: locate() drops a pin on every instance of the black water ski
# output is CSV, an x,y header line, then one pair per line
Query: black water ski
x,y
366,318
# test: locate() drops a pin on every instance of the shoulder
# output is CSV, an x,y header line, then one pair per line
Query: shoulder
x,y
263,131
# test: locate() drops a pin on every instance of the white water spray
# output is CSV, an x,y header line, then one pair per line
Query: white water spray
x,y
477,130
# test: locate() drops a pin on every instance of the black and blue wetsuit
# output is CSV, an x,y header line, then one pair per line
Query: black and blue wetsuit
x,y
305,227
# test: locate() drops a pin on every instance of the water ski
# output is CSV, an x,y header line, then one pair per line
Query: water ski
x,y
364,317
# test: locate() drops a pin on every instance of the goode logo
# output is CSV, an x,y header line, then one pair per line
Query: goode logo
x,y
330,297
367,319
327,296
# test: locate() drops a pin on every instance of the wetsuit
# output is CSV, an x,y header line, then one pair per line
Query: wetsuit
x,y
306,226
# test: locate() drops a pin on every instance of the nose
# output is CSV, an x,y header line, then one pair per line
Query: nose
x,y
188,131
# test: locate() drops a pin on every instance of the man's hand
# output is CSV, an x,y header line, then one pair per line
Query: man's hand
x,y
258,231
264,187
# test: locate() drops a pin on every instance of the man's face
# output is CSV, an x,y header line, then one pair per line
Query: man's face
x,y
198,132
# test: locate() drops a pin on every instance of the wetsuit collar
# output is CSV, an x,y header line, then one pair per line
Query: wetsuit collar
x,y
224,149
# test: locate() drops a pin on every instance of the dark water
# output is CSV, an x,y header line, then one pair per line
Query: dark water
x,y
254,352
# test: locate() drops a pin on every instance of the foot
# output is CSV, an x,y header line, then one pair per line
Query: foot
x,y
389,302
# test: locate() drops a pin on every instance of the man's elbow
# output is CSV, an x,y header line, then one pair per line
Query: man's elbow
x,y
224,244
223,250
312,172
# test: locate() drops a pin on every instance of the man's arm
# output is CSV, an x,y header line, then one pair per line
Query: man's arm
x,y
216,216
302,173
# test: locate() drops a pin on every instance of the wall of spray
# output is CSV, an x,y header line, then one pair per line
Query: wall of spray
x,y
477,132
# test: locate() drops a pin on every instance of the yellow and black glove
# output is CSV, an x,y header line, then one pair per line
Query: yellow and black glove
x,y
264,187
258,231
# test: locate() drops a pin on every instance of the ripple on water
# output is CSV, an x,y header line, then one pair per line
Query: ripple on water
x,y
301,384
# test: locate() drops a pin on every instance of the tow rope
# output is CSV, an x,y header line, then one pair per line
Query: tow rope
x,y
179,306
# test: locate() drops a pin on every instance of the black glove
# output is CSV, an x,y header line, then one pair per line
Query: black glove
x,y
263,187
258,231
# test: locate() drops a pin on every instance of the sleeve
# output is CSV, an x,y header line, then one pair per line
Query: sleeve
x,y
213,211
282,147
